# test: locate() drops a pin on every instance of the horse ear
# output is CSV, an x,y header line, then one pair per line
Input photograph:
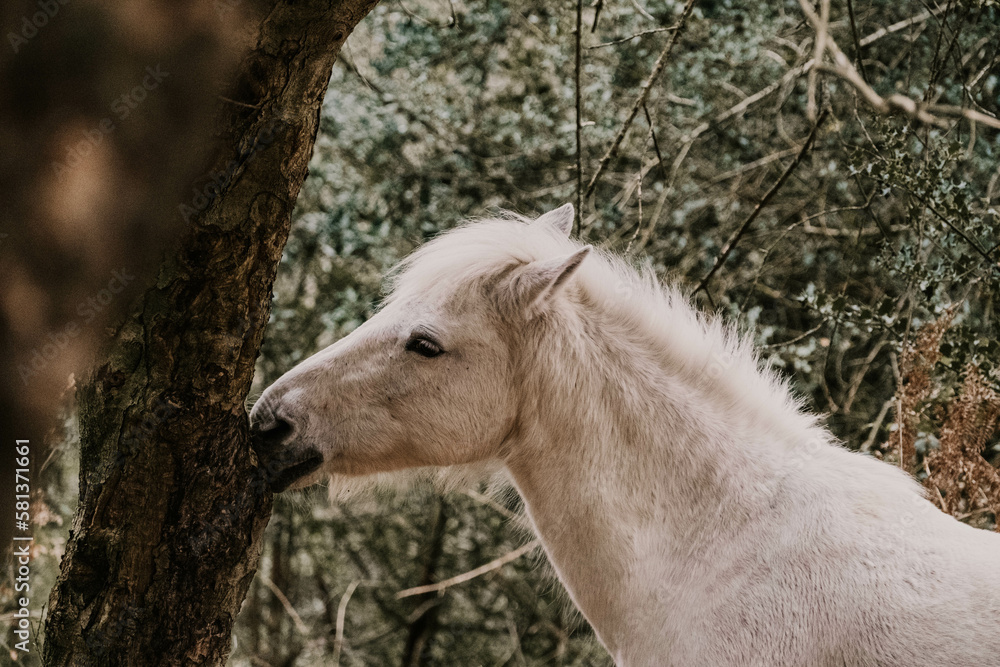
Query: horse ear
x,y
539,281
561,219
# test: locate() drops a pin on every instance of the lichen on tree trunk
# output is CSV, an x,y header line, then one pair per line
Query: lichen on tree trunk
x,y
172,507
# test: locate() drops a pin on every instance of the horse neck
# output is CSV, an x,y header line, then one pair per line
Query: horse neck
x,y
625,466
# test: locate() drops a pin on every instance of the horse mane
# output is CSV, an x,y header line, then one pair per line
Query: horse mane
x,y
709,355
701,349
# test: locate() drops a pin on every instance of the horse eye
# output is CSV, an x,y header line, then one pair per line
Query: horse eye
x,y
423,346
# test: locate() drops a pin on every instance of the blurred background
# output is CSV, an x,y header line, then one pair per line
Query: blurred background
x,y
870,279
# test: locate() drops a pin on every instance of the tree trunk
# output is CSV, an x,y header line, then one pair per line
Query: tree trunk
x,y
167,533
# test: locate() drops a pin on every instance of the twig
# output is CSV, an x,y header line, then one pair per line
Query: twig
x,y
735,238
631,37
656,144
750,166
642,10
822,25
988,68
745,104
682,101
289,609
471,574
338,637
434,24
654,219
638,226
791,341
658,66
944,504
579,113
877,424
859,377
834,232
489,502
927,114
960,112
899,429
869,197
598,6
858,57
689,139
629,188
901,25
515,638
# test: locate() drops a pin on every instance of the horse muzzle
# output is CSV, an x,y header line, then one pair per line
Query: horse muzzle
x,y
283,459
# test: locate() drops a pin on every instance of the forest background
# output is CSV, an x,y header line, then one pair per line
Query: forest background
x,y
854,241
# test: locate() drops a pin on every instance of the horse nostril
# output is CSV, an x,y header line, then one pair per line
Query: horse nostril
x,y
275,435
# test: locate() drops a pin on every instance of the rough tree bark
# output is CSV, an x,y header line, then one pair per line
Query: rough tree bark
x,y
172,505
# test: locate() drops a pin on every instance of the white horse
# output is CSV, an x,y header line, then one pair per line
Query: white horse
x,y
695,514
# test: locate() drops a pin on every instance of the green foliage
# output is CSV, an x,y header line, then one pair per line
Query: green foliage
x,y
884,225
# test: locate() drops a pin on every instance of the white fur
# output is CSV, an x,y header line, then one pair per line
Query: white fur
x,y
695,514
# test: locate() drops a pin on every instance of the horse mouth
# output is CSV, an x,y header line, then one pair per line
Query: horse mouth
x,y
283,479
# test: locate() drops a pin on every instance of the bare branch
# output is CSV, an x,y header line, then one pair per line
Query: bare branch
x,y
338,637
658,67
792,341
750,166
452,20
598,6
579,113
283,599
858,58
682,101
735,238
638,183
745,104
471,574
656,144
877,424
821,25
642,10
622,40
489,502
901,25
927,114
